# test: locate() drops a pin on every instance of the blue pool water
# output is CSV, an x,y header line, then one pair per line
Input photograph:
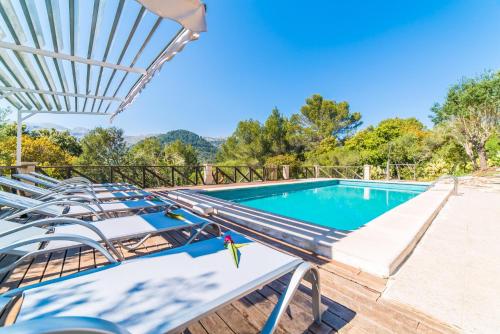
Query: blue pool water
x,y
344,205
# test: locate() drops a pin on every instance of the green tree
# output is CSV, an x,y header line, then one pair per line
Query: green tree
x,y
274,133
148,151
103,146
246,145
471,112
395,139
323,118
493,150
40,150
181,154
63,139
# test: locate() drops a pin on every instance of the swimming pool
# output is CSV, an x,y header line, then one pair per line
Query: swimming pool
x,y
339,204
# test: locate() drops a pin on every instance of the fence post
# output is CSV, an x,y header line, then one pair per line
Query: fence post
x,y
316,171
208,177
26,167
286,172
274,173
366,172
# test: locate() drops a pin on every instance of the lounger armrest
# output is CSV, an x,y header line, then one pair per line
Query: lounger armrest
x,y
71,197
70,187
66,221
53,193
47,238
75,180
59,325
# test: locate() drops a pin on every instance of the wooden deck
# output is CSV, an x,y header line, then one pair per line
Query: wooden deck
x,y
351,302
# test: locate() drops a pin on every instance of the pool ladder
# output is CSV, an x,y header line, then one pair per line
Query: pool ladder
x,y
444,177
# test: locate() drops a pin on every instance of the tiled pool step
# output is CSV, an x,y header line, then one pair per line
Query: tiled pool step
x,y
318,239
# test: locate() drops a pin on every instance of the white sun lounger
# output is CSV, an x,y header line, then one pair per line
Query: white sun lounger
x,y
47,235
43,193
78,185
67,208
79,179
167,291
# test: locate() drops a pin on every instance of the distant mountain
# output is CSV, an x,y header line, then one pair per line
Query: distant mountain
x,y
205,148
131,140
78,132
215,141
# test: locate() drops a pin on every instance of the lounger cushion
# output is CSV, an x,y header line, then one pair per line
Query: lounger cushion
x,y
117,206
159,292
122,194
107,195
95,187
20,235
128,227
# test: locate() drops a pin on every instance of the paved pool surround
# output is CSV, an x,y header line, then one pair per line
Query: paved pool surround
x,y
379,247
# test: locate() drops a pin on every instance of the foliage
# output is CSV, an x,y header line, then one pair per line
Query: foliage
x,y
471,113
47,147
103,146
274,133
63,139
148,151
41,150
206,150
436,168
247,145
322,133
180,154
493,150
395,139
323,118
282,159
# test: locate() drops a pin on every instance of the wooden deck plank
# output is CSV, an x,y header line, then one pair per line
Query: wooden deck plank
x,y
71,261
195,328
215,325
6,260
54,266
256,317
87,259
13,280
36,270
304,301
236,321
296,317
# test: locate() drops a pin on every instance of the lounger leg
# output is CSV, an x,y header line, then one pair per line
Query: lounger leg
x,y
136,245
313,278
203,227
303,271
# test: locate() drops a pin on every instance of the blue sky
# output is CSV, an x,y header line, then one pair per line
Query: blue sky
x,y
386,58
